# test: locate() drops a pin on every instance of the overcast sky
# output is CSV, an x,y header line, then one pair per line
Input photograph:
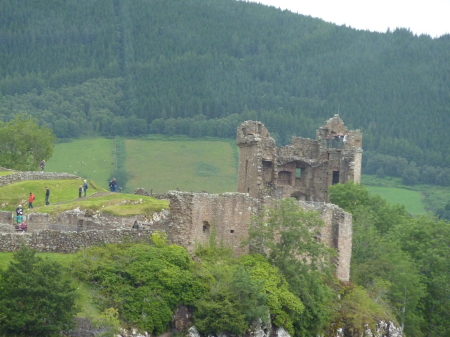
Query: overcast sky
x,y
431,17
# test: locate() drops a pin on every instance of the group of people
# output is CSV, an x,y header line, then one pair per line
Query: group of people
x,y
83,188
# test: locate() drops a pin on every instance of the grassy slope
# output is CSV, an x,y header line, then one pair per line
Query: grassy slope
x,y
64,196
391,189
412,200
190,165
89,157
60,190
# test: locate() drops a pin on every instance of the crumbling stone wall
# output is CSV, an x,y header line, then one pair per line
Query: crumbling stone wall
x,y
303,169
72,220
34,175
70,242
195,218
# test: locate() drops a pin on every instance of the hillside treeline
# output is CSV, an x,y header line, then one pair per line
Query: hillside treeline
x,y
121,67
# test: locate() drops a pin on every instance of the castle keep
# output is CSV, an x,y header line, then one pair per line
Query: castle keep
x,y
305,168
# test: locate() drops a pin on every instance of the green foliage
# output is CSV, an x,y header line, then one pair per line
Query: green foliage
x,y
107,323
284,306
352,197
219,313
285,233
35,297
427,241
24,144
144,283
400,261
357,311
159,239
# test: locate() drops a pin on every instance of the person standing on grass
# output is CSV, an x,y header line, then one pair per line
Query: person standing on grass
x,y
42,165
30,200
85,187
47,196
113,185
80,190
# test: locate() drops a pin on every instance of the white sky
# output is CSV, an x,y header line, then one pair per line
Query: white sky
x,y
431,17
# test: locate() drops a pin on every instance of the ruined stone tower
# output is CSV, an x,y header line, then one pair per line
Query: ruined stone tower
x,y
305,168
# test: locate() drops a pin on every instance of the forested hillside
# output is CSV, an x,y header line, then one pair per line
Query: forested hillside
x,y
200,67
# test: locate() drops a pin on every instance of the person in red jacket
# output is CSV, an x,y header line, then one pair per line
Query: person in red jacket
x,y
30,200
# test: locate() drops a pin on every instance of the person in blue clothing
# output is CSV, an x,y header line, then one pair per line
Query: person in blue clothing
x,y
113,185
47,195
85,187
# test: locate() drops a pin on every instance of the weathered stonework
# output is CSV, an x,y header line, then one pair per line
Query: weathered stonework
x,y
70,242
305,168
196,217
34,175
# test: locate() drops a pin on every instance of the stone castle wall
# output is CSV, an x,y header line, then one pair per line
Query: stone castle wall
x,y
194,217
305,168
70,242
34,175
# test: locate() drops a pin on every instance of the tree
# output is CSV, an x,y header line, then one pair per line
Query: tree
x,y
285,234
35,297
24,144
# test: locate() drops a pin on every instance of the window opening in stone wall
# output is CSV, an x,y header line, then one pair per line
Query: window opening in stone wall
x,y
231,231
335,177
284,178
259,128
298,173
244,131
206,227
246,165
267,170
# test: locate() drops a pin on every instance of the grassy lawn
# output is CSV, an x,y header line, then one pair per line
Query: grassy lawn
x,y
64,196
412,200
189,165
60,190
91,158
5,173
120,204
418,199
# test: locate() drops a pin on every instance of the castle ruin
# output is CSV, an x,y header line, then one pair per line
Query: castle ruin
x,y
305,168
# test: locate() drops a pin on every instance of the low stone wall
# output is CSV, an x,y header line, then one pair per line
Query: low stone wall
x,y
73,220
70,242
34,175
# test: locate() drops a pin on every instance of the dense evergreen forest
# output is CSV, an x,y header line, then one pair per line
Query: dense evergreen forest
x,y
200,67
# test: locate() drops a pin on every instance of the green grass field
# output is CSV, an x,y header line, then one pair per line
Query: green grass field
x,y
412,200
161,164
91,158
188,165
